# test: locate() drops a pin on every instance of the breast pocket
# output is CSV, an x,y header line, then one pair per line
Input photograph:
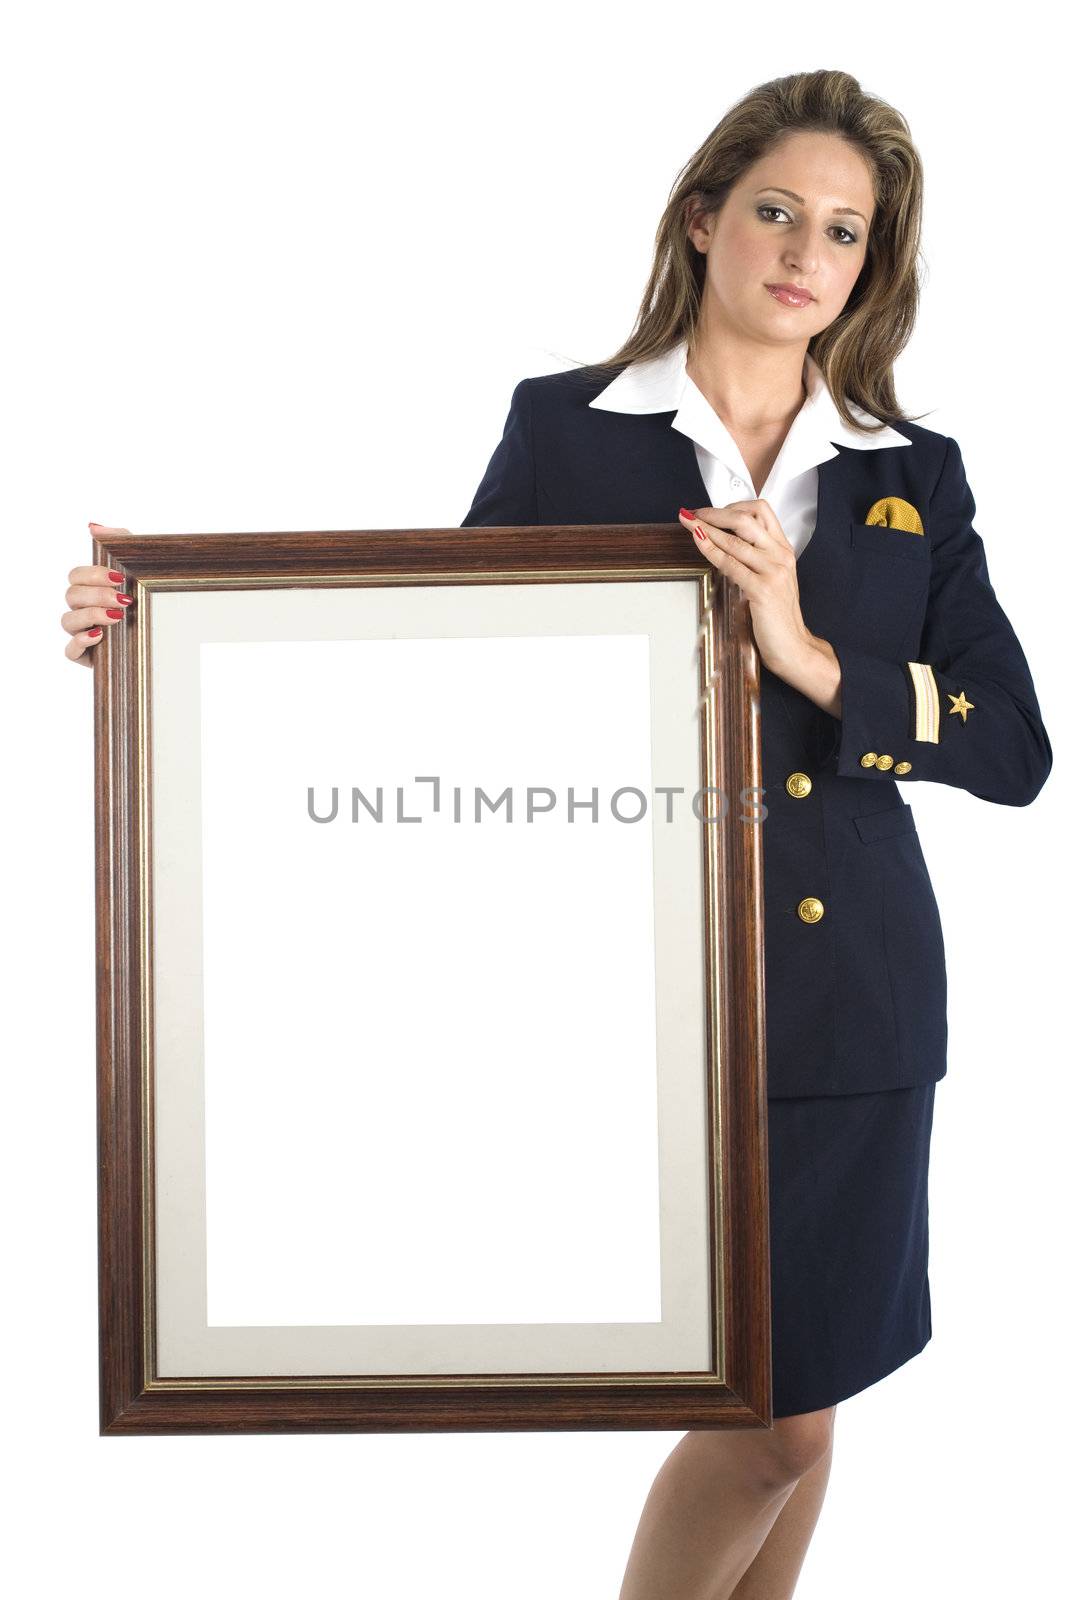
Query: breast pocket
x,y
880,541
884,601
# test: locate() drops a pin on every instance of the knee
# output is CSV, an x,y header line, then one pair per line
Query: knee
x,y
765,1459
793,1445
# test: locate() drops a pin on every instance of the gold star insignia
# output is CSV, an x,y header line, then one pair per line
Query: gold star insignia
x,y
961,704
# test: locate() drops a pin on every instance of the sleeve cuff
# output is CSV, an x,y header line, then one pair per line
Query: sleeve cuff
x,y
885,707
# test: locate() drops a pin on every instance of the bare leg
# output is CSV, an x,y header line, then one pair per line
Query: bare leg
x,y
713,1503
773,1574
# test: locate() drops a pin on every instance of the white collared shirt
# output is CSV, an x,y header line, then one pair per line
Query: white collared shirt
x,y
662,384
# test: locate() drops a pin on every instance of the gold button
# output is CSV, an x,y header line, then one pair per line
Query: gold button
x,y
798,784
869,759
902,766
810,909
884,763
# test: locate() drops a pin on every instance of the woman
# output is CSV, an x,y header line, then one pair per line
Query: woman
x,y
884,657
759,381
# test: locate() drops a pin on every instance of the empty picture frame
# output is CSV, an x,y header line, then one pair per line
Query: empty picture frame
x,y
430,1011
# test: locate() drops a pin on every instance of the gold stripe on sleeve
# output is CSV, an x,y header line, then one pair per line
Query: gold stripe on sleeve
x,y
927,715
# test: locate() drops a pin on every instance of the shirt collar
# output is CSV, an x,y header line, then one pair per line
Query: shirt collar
x,y
662,384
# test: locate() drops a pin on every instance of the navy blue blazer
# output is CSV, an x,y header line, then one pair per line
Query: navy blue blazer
x,y
855,1000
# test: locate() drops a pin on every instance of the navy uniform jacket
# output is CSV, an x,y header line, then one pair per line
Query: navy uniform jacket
x,y
855,1000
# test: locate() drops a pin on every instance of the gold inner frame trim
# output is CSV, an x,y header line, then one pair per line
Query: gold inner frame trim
x,y
142,590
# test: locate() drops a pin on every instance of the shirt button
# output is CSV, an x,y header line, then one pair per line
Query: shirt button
x,y
810,909
884,763
738,483
869,759
798,784
902,766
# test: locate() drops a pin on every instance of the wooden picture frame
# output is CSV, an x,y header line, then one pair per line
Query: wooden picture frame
x,y
618,1164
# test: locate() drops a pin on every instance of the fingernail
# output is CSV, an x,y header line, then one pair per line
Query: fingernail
x,y
682,512
116,577
124,599
115,611
94,631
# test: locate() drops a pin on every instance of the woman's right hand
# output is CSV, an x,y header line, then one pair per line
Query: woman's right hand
x,y
96,600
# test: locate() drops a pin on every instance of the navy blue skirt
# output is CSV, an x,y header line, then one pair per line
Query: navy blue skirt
x,y
849,1225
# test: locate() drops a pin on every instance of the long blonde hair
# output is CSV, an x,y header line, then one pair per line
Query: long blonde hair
x,y
856,352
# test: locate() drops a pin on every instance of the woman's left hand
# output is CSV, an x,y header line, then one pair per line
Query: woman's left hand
x,y
745,542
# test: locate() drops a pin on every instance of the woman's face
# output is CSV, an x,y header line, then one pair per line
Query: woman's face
x,y
814,236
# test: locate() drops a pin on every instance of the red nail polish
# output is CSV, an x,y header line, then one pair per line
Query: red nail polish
x,y
683,512
115,611
124,599
116,577
94,631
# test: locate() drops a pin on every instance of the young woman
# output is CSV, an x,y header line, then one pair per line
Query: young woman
x,y
758,388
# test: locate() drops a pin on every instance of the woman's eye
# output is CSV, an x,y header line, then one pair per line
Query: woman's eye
x,y
849,235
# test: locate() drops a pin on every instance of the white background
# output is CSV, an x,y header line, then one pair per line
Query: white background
x,y
280,266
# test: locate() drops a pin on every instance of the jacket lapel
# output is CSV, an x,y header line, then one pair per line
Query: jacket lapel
x,y
680,482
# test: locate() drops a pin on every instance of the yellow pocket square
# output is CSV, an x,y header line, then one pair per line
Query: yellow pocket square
x,y
894,513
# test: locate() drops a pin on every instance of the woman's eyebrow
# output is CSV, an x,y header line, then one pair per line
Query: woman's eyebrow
x,y
838,211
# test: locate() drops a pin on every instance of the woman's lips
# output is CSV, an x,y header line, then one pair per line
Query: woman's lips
x,y
787,297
